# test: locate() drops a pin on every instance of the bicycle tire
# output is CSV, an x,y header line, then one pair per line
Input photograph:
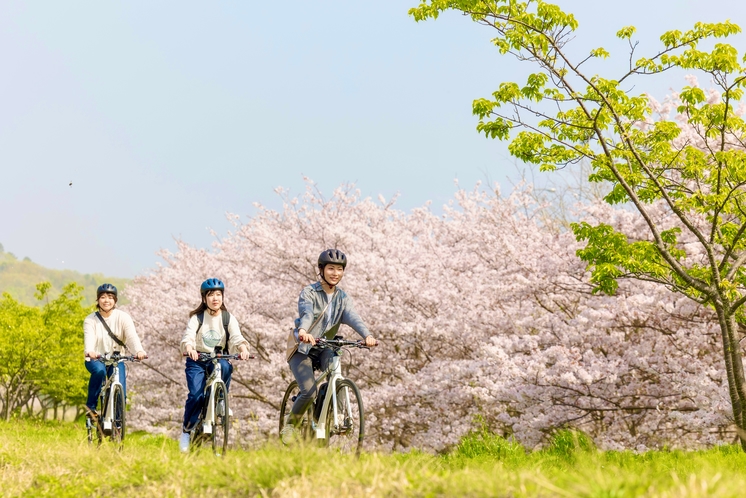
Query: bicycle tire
x,y
348,435
222,420
118,425
291,393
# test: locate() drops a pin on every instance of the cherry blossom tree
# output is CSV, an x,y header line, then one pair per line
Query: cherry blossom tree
x,y
691,168
484,312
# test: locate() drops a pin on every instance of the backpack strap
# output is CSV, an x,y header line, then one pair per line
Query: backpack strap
x,y
226,321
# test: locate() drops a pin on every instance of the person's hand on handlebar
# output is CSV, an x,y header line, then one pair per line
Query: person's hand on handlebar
x,y
141,355
243,352
371,341
92,355
304,336
192,353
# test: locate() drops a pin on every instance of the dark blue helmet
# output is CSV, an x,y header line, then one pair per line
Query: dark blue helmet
x,y
332,256
106,288
212,284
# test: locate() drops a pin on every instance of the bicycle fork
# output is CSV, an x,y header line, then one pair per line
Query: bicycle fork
x,y
108,416
209,421
330,402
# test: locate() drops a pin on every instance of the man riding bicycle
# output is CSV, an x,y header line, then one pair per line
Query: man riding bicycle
x,y
106,331
322,308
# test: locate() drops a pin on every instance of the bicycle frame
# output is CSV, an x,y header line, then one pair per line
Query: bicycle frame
x,y
106,392
214,379
334,373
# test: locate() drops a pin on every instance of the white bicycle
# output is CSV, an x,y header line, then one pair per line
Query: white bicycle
x,y
214,420
109,418
336,417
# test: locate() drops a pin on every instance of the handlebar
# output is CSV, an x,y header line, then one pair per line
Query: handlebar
x,y
217,356
341,343
116,357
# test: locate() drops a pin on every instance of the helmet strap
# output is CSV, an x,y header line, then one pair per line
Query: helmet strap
x,y
321,274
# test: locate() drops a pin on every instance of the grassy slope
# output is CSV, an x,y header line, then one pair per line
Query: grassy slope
x,y
55,460
19,279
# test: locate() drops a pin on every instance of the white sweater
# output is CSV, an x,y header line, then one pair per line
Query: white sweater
x,y
211,334
97,339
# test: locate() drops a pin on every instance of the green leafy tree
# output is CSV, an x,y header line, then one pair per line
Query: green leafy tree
x,y
64,377
41,350
684,176
21,348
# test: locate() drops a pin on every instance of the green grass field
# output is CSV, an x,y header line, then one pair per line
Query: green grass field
x,y
54,459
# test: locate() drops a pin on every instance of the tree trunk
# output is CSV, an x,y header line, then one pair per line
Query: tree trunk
x,y
733,370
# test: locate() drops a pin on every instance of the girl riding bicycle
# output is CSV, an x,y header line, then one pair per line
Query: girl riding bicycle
x,y
210,329
322,308
106,331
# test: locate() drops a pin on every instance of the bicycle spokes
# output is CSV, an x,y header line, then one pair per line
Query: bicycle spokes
x,y
345,422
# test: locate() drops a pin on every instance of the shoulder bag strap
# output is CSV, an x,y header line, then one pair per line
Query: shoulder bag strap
x,y
323,312
106,326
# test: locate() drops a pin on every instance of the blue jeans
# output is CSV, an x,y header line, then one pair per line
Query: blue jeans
x,y
99,372
196,377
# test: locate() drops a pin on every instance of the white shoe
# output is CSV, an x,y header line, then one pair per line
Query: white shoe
x,y
230,411
184,442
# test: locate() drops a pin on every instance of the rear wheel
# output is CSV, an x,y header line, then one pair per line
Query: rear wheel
x,y
222,420
346,435
304,428
117,416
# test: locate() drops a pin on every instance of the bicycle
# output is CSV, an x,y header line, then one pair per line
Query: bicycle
x,y
214,420
109,417
336,416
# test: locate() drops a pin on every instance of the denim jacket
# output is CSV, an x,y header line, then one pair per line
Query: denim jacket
x,y
312,302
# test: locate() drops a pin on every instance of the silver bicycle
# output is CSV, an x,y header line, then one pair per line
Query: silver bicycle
x,y
109,418
336,417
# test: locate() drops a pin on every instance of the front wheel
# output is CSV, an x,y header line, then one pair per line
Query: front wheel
x,y
117,416
291,394
222,420
346,435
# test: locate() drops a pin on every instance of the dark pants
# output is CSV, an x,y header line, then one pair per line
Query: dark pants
x,y
302,367
196,377
99,372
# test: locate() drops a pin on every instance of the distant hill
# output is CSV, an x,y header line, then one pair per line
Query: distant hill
x,y
19,279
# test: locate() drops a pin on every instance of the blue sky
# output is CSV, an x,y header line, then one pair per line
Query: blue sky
x,y
167,115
